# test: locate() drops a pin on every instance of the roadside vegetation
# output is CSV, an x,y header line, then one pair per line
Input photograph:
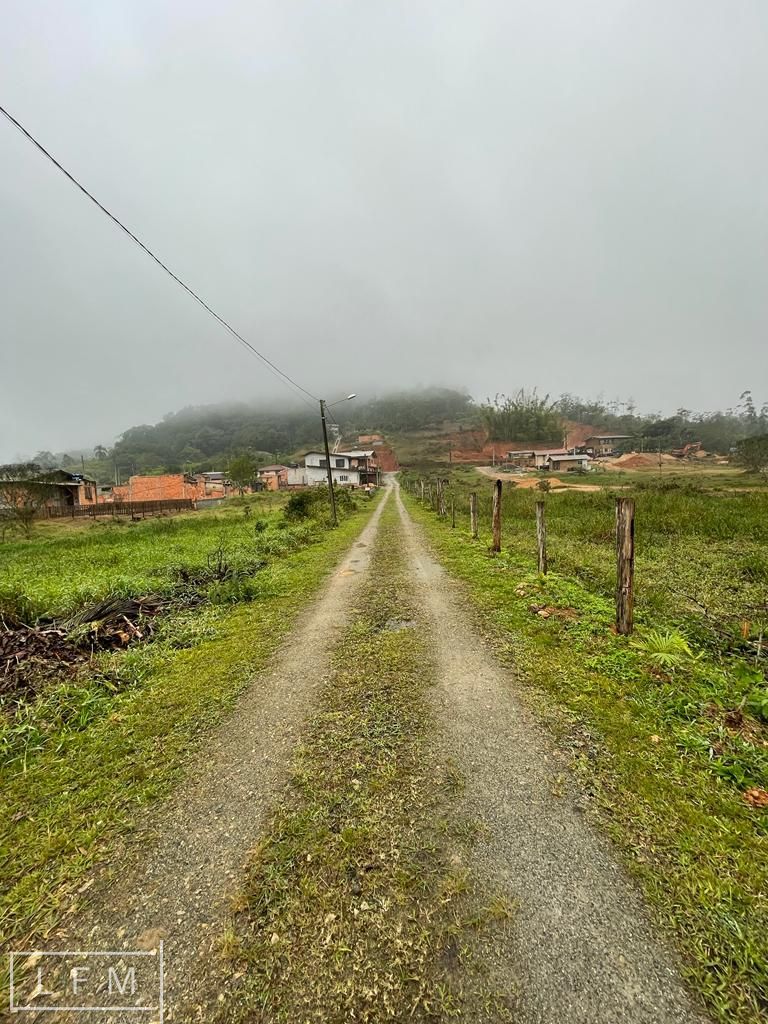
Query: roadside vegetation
x,y
358,905
668,728
86,745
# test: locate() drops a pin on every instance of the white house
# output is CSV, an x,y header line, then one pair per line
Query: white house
x,y
349,469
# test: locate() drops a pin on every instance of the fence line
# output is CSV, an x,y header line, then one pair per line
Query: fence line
x,y
119,508
624,540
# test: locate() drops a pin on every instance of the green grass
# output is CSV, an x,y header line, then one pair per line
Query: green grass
x,y
84,761
63,567
666,756
701,558
357,904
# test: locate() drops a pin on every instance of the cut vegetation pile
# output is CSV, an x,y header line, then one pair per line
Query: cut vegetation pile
x,y
30,658
68,595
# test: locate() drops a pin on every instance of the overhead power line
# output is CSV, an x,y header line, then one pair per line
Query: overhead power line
x,y
272,367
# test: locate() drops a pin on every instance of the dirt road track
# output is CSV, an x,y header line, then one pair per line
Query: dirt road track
x,y
179,887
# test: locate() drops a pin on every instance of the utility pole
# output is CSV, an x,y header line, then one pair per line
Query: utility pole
x,y
331,495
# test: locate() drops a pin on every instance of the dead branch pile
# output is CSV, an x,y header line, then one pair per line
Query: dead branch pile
x,y
117,621
34,656
30,657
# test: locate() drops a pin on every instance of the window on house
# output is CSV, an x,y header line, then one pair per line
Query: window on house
x,y
339,463
343,477
323,464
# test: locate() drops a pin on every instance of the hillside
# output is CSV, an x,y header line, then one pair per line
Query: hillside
x,y
428,425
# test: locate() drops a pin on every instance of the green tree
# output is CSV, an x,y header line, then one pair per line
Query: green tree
x,y
523,416
44,460
752,453
242,471
100,452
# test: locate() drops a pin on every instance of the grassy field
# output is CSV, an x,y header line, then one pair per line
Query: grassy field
x,y
68,564
84,757
669,729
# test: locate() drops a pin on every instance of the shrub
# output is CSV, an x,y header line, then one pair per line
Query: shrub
x,y
314,502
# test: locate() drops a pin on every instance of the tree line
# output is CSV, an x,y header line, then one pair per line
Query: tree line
x,y
526,416
212,437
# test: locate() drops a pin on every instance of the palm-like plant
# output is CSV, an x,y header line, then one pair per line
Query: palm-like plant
x,y
665,650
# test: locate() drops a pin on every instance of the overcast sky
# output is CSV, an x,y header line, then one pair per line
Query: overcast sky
x,y
571,194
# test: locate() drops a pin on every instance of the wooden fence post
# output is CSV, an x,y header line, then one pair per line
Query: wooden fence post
x,y
541,537
421,483
441,510
496,518
473,514
453,513
625,565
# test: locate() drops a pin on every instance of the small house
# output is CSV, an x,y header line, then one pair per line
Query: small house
x,y
541,458
71,489
274,478
523,459
565,463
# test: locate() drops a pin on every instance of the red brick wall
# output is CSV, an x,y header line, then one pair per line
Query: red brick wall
x,y
167,487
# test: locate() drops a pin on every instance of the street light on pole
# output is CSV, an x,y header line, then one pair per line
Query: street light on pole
x,y
332,497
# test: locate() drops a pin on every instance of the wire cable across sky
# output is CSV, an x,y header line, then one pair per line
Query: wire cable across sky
x,y
272,367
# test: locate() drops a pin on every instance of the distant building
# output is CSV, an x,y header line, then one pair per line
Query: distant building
x,y
72,489
386,459
274,478
522,459
348,469
172,487
563,462
603,444
533,458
